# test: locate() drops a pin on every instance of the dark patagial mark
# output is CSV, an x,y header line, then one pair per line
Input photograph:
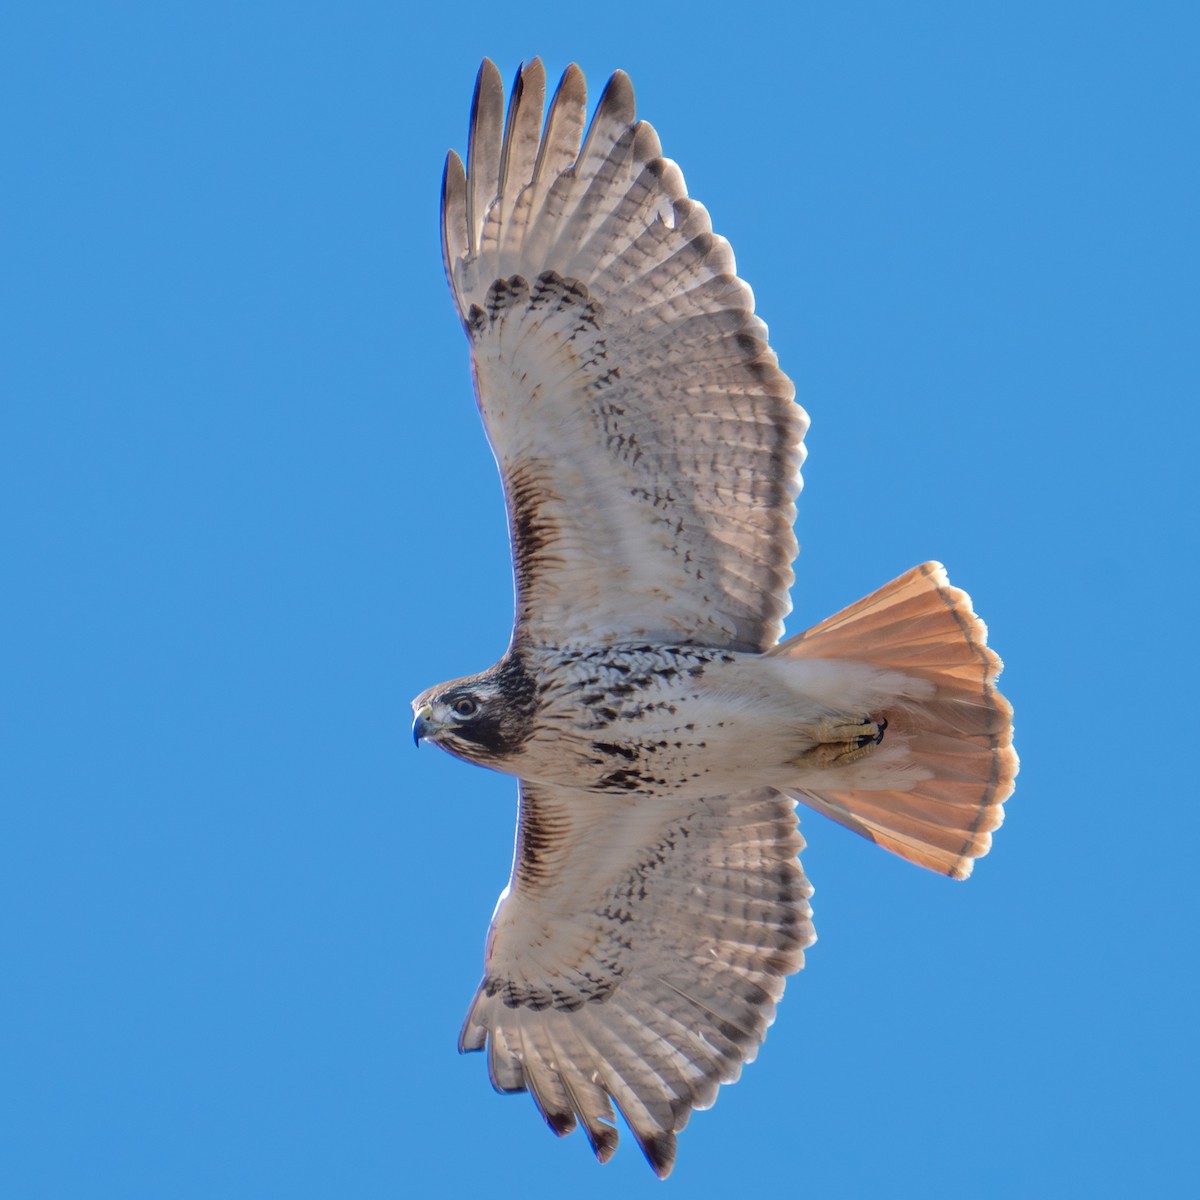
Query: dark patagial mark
x,y
533,530
538,835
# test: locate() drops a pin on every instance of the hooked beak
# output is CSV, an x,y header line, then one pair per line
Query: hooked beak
x,y
422,726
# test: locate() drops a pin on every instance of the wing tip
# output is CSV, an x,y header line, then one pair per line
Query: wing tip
x,y
573,83
473,1035
483,147
618,101
603,1140
659,1149
487,77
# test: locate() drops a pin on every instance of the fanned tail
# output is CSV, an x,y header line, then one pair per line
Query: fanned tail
x,y
959,738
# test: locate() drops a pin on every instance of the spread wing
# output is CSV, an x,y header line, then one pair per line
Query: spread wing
x,y
637,955
649,444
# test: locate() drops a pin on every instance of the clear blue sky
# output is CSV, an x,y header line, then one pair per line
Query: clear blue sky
x,y
247,511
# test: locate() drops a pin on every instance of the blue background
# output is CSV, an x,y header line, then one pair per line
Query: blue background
x,y
247,512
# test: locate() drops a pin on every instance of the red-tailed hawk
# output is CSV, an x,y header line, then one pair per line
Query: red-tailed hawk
x,y
650,448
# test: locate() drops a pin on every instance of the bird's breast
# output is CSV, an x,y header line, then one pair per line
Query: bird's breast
x,y
645,720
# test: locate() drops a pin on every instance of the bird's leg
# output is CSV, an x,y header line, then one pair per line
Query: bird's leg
x,y
840,742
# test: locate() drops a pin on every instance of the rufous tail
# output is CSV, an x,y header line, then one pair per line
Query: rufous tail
x,y
959,738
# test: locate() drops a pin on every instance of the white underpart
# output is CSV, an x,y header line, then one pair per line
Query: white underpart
x,y
741,724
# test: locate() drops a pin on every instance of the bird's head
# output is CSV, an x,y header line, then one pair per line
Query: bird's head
x,y
482,718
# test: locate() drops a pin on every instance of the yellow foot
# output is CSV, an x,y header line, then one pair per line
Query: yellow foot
x,y
840,743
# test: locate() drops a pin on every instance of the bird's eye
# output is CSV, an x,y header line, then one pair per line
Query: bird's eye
x,y
466,707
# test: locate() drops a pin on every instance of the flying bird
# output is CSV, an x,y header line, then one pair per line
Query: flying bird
x,y
661,733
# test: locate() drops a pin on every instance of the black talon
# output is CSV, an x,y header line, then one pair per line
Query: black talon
x,y
867,739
